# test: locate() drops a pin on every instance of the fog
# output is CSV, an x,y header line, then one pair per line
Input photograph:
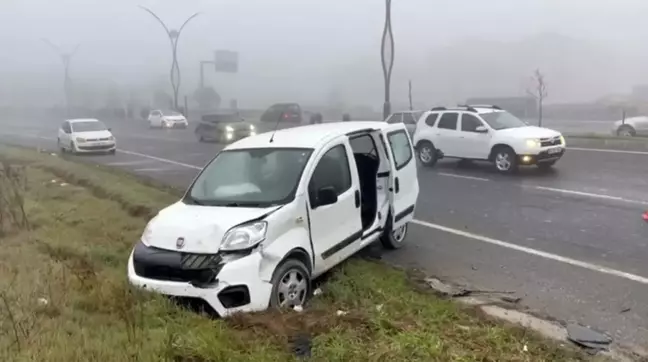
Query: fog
x,y
316,51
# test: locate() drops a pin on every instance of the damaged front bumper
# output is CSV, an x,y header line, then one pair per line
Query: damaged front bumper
x,y
228,283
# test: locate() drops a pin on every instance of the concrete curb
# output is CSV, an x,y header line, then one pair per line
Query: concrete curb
x,y
549,329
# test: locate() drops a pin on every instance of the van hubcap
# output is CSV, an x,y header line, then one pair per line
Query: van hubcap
x,y
502,161
399,234
292,289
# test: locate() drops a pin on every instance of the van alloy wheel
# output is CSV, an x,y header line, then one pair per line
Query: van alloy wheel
x,y
400,233
292,289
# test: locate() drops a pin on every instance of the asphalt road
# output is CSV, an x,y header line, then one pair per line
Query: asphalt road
x,y
570,242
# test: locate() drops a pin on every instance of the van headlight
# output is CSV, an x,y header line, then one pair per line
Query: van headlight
x,y
80,139
533,143
146,235
252,128
244,236
229,129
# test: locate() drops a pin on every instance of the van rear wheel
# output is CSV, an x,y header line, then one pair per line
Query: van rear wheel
x,y
391,238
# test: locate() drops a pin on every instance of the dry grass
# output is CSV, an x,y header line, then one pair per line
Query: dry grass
x,y
64,295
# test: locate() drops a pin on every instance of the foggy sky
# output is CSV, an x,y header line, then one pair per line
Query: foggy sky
x,y
305,50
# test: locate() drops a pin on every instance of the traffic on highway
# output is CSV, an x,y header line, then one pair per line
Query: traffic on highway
x,y
569,240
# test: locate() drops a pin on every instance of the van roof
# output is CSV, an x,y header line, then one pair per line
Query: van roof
x,y
75,120
310,136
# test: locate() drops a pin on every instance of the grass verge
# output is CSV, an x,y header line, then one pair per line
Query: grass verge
x,y
64,295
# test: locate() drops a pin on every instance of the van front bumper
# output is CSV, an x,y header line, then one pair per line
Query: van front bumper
x,y
228,286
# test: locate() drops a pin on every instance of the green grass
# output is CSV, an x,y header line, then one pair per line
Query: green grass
x,y
74,256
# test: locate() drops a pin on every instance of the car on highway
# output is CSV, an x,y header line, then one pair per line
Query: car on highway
x,y
631,127
223,128
271,212
167,119
486,133
87,135
408,118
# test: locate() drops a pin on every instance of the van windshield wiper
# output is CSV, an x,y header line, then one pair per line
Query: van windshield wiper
x,y
242,204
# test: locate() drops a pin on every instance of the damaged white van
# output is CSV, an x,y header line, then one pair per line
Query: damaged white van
x,y
273,211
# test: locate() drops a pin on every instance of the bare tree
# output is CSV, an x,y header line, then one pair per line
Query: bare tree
x,y
538,91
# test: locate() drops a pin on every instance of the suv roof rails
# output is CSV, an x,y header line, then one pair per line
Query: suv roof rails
x,y
438,109
457,108
492,106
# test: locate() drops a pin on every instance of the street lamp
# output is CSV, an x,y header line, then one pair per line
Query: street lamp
x,y
387,57
173,35
65,58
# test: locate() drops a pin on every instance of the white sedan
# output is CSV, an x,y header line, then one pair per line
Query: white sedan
x,y
167,119
85,136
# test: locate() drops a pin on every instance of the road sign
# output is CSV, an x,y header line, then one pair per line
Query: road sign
x,y
226,61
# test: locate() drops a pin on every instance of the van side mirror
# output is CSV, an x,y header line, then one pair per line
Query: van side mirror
x,y
326,196
481,129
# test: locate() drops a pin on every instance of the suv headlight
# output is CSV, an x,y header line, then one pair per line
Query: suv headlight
x,y
80,139
562,140
229,129
533,143
245,236
252,128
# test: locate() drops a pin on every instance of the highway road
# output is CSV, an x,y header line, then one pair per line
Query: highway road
x,y
570,242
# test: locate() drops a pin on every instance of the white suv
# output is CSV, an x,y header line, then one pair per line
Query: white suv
x,y
485,133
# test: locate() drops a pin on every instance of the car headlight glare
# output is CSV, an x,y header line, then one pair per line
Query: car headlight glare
x,y
244,237
252,128
562,140
80,139
533,143
229,129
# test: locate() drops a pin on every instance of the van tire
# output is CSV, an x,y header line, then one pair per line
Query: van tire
x,y
389,238
287,269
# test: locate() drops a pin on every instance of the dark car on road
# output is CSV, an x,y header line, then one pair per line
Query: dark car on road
x,y
283,113
224,128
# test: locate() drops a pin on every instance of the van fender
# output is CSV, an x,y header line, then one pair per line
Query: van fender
x,y
295,241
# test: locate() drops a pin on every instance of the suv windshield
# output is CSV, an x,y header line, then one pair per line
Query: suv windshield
x,y
258,177
502,120
222,118
88,126
171,113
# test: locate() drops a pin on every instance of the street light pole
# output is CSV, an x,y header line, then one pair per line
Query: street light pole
x,y
387,57
65,59
173,35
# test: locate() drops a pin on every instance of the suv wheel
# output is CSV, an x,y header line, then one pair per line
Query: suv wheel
x,y
427,154
626,131
505,160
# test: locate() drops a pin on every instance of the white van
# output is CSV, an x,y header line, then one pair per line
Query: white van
x,y
273,211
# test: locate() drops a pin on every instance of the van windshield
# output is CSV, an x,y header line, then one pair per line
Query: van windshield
x,y
259,177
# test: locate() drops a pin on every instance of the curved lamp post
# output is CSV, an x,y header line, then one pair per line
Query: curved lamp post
x,y
173,35
65,58
387,57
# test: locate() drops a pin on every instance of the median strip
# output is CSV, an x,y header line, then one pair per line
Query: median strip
x,y
64,294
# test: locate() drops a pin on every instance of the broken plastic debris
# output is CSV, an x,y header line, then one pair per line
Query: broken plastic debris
x,y
317,291
53,154
53,181
63,184
525,348
298,308
379,307
42,301
591,340
341,313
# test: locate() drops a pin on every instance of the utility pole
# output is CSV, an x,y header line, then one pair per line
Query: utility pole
x,y
387,57
65,59
173,35
410,95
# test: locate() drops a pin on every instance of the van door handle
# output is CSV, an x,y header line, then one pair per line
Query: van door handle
x,y
357,199
397,184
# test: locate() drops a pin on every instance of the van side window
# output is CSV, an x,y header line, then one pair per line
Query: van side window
x,y
332,170
401,148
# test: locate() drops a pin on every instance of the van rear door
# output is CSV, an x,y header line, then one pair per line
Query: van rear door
x,y
404,187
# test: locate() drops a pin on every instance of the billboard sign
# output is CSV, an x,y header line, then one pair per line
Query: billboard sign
x,y
226,61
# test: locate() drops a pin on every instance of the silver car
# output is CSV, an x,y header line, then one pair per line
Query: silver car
x,y
409,118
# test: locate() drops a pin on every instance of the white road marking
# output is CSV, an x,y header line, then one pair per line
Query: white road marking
x,y
139,162
161,169
159,159
462,176
535,252
587,194
608,150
